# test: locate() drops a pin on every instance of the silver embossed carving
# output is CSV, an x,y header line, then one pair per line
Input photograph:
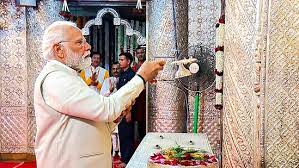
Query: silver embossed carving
x,y
166,102
20,64
203,16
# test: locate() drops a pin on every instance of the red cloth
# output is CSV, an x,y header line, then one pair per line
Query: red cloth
x,y
17,164
116,164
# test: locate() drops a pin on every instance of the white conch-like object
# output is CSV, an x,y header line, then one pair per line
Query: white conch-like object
x,y
184,61
182,71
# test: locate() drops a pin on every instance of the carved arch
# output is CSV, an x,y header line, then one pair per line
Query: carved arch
x,y
129,31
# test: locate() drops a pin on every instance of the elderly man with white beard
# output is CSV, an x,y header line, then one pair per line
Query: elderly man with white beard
x,y
74,123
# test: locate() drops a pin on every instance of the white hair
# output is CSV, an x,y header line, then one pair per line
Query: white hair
x,y
54,34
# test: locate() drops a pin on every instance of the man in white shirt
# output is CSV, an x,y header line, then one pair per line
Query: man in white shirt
x,y
108,88
109,85
74,123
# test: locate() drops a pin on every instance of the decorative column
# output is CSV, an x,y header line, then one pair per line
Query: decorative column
x,y
133,39
238,82
125,40
281,85
120,43
166,107
106,44
13,74
261,69
21,62
203,16
37,21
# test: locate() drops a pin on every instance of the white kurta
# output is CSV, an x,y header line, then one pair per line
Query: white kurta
x,y
74,123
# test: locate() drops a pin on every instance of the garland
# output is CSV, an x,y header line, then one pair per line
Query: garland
x,y
219,50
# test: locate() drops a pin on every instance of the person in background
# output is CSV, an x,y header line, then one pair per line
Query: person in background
x,y
140,55
109,85
108,88
74,123
94,75
126,126
140,105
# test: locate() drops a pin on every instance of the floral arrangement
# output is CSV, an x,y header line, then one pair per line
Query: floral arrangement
x,y
178,156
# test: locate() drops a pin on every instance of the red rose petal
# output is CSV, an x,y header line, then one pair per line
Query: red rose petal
x,y
203,163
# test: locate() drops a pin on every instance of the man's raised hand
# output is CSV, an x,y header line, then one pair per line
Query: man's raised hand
x,y
149,69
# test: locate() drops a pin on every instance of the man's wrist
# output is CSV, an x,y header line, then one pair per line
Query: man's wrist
x,y
144,82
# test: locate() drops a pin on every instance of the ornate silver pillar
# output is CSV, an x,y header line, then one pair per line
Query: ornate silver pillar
x,y
13,75
203,16
238,82
281,85
37,21
20,63
166,107
261,69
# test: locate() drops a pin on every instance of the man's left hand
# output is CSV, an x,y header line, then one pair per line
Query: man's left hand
x,y
125,112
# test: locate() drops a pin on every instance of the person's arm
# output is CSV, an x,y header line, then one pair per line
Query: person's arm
x,y
68,94
112,125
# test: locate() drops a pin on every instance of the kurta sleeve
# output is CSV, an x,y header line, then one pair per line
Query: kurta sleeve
x,y
112,126
68,94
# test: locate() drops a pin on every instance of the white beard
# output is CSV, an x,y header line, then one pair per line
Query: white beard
x,y
77,62
86,62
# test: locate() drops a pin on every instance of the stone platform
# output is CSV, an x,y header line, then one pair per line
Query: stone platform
x,y
154,142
